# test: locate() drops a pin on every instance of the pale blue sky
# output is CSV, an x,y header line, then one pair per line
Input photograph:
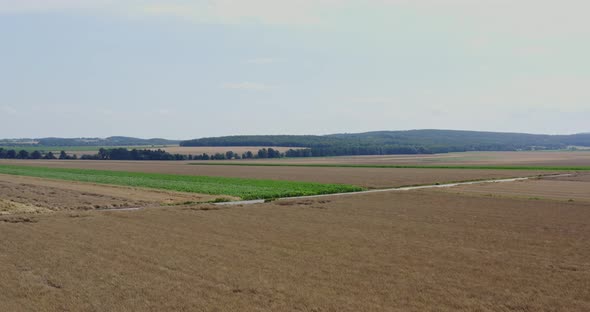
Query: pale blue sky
x,y
187,69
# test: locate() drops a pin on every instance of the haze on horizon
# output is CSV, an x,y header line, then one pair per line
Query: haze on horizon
x,y
187,69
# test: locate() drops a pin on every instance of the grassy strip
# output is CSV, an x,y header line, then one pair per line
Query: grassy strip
x,y
539,168
244,188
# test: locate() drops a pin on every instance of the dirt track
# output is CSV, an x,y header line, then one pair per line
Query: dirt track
x,y
366,177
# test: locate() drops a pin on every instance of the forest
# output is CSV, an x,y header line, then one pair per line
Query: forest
x,y
400,142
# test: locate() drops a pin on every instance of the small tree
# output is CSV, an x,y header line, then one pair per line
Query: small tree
x,y
229,155
11,154
36,155
263,153
22,154
49,156
63,155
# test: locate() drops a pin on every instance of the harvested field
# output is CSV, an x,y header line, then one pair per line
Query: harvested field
x,y
364,177
196,150
581,176
532,189
33,195
537,158
410,251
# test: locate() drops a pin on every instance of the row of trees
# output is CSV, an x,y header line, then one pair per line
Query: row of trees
x,y
24,154
159,154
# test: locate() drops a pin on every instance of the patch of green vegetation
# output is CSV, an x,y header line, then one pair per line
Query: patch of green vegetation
x,y
490,167
244,188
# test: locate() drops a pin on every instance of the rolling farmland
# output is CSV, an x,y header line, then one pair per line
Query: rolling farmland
x,y
122,235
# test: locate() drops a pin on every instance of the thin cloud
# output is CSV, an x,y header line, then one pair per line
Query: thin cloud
x,y
49,5
264,60
8,110
254,86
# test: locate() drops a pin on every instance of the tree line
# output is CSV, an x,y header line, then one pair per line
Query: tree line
x,y
159,154
24,154
139,154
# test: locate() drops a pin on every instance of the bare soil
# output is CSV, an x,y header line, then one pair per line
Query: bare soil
x,y
566,188
536,158
409,251
365,177
34,195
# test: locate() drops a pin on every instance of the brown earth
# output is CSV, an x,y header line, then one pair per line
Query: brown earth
x,y
33,195
537,158
366,177
575,188
404,251
582,177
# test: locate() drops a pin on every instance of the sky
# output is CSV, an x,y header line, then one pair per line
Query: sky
x,y
184,69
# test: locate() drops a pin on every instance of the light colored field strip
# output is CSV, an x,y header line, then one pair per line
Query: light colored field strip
x,y
397,189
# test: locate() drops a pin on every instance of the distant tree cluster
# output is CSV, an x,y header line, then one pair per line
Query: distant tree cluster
x,y
159,154
400,142
134,154
137,154
24,154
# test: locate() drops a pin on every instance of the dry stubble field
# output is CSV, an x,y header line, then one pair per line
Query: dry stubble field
x,y
409,251
426,250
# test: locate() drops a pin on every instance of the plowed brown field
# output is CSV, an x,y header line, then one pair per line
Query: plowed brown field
x,y
366,177
411,251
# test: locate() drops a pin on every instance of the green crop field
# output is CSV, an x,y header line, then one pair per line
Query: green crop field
x,y
243,188
491,167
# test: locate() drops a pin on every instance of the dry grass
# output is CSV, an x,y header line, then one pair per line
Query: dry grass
x,y
412,251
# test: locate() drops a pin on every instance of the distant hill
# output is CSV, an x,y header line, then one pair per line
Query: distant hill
x,y
403,142
110,141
